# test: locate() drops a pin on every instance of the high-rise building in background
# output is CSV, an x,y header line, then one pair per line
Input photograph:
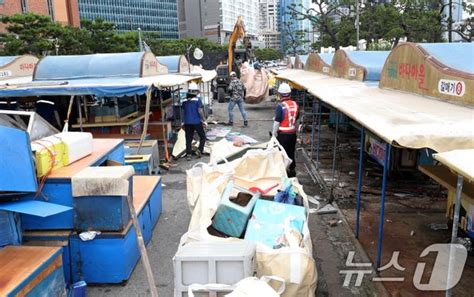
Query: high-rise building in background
x,y
289,24
159,16
215,19
268,23
62,11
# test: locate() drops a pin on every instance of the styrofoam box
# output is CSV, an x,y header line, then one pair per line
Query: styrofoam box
x,y
79,144
212,262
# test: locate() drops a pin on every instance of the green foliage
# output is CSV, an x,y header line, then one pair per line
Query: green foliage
x,y
267,54
417,20
38,35
163,47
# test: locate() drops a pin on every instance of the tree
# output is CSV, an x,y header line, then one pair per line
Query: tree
x,y
267,54
465,29
295,40
29,33
417,20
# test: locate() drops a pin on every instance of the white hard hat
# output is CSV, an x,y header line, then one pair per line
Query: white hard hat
x,y
193,87
284,89
233,73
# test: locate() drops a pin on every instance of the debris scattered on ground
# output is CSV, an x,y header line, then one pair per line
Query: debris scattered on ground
x,y
327,209
333,222
217,133
412,233
438,226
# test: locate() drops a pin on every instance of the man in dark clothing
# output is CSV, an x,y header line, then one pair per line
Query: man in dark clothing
x,y
193,120
284,126
237,93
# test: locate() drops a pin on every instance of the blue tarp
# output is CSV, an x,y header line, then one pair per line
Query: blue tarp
x,y
372,61
458,56
7,59
327,58
89,66
102,87
172,62
34,208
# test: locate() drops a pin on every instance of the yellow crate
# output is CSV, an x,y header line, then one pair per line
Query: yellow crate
x,y
44,150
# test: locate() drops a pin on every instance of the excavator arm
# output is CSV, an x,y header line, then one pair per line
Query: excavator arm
x,y
238,33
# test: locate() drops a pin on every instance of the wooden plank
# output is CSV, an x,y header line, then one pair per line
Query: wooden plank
x,y
442,175
143,186
100,148
111,124
18,263
48,233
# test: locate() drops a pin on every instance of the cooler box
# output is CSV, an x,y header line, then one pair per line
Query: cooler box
x,y
231,218
100,198
60,150
31,271
267,224
212,262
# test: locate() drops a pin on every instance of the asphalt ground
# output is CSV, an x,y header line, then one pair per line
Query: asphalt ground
x,y
330,244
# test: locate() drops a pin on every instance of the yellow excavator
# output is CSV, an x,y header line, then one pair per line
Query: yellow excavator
x,y
235,57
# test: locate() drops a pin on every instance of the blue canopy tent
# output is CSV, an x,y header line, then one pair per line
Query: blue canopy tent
x,y
359,65
101,75
175,64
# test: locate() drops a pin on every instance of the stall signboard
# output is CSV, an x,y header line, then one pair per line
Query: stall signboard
x,y
411,68
20,66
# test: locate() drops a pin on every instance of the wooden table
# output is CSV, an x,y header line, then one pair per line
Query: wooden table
x,y
143,186
24,267
448,179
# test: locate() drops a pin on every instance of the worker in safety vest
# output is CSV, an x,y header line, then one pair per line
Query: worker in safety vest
x,y
284,126
194,120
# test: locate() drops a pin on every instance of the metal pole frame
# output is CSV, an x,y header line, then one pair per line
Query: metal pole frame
x,y
359,180
334,153
386,165
454,233
319,133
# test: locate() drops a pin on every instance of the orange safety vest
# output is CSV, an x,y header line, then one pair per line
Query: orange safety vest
x,y
291,109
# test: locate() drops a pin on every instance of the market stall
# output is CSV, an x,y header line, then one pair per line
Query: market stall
x,y
397,118
319,63
175,64
358,65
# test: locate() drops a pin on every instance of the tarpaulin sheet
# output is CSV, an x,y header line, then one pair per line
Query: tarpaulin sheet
x,y
102,87
6,60
399,118
461,161
89,66
206,75
372,61
454,55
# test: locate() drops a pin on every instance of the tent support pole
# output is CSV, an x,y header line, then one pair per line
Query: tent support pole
x,y
334,153
147,118
320,108
312,131
386,165
454,233
79,109
359,180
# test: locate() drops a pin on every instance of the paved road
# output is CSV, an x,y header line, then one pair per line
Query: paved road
x,y
330,243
